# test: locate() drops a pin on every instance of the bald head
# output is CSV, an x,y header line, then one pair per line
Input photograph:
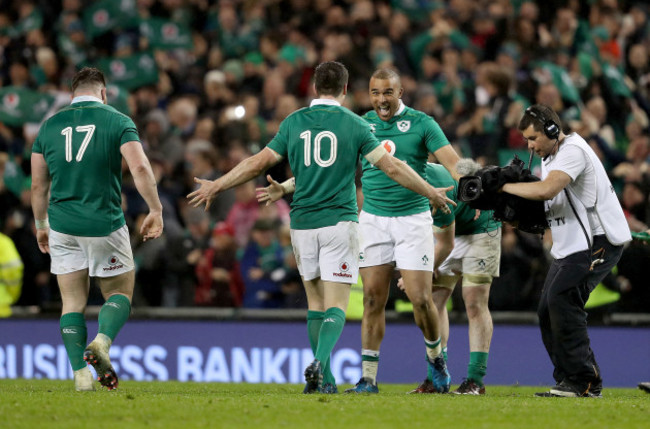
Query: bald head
x,y
387,74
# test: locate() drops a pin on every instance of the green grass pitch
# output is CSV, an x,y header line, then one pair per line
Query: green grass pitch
x,y
55,404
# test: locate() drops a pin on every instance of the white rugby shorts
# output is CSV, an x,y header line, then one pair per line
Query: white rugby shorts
x,y
330,252
476,254
106,256
405,240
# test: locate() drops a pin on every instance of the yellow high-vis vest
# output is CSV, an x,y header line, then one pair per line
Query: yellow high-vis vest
x,y
11,275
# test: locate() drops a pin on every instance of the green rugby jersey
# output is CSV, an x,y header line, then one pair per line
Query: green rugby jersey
x,y
323,143
409,135
439,177
81,146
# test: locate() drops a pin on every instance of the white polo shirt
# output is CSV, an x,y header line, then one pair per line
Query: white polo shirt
x,y
593,198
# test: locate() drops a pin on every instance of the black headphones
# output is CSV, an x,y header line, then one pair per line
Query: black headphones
x,y
551,129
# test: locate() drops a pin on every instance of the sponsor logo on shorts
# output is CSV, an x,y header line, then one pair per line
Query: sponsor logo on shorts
x,y
425,260
362,256
344,267
114,264
349,276
481,264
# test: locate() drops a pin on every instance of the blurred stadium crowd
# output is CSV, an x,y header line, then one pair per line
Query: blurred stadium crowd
x,y
207,82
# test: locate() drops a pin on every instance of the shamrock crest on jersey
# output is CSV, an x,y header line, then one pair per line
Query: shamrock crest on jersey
x,y
403,126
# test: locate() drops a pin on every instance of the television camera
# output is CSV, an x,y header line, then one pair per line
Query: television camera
x,y
481,191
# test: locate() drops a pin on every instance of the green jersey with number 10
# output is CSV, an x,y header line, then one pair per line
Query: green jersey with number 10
x,y
323,143
81,146
409,135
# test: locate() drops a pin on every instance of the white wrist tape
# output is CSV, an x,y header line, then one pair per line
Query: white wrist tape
x,y
42,224
288,186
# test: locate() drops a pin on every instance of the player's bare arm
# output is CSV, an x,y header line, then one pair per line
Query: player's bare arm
x,y
400,172
448,157
243,172
40,190
145,182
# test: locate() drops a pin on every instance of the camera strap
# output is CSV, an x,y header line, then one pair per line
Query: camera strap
x,y
594,262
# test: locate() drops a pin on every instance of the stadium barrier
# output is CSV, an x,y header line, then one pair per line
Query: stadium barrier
x,y
299,315
256,346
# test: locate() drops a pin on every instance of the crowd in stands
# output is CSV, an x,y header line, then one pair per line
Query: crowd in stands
x,y
208,82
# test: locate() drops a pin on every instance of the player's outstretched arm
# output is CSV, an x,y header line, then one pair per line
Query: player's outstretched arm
x,y
145,182
39,191
400,172
448,157
275,190
243,172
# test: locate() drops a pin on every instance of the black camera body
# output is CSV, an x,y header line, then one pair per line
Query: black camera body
x,y
481,191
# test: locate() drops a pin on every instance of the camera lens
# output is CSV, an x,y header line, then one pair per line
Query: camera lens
x,y
469,188
472,190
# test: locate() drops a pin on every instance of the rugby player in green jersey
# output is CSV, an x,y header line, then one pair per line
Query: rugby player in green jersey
x,y
466,246
323,143
395,230
77,160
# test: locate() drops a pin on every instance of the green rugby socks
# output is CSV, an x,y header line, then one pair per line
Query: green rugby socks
x,y
113,315
330,331
75,335
477,367
314,323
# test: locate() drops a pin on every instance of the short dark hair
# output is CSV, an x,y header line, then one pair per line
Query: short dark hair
x,y
537,115
88,77
330,78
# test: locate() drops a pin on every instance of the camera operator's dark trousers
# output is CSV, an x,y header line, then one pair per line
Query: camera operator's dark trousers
x,y
562,315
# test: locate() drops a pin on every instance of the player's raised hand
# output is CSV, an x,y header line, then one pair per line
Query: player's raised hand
x,y
271,193
440,201
204,195
152,226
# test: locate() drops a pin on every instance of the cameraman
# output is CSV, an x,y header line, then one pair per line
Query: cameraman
x,y
588,229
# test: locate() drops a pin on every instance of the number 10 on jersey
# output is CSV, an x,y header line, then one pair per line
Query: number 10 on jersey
x,y
306,136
